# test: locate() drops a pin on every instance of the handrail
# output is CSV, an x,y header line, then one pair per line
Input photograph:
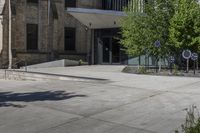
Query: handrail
x,y
15,64
22,61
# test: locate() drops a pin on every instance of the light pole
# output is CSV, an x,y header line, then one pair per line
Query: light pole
x,y
9,36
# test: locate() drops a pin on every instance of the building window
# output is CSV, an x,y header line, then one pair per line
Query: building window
x,y
117,5
32,1
70,38
32,37
70,3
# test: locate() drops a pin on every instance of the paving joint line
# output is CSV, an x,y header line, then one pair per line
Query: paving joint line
x,y
132,102
122,125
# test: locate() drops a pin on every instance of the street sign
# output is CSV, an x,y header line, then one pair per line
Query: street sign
x,y
157,43
171,59
194,56
186,54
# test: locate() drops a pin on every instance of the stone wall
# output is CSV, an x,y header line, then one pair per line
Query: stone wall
x,y
51,32
4,52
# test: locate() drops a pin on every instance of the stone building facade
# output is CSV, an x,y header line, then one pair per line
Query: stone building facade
x,y
1,24
45,30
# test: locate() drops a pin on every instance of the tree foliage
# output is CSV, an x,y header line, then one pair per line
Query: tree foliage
x,y
185,26
175,23
140,30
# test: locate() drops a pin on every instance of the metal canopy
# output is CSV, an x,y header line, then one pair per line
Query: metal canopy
x,y
95,18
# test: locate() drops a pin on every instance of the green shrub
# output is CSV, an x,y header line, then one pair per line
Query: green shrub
x,y
192,121
175,69
80,62
142,70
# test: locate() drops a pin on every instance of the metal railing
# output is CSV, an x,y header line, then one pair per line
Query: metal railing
x,y
15,66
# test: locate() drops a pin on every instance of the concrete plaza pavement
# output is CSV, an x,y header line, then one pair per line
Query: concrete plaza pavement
x,y
128,103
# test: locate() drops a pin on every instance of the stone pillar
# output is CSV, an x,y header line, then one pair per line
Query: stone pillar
x,y
90,46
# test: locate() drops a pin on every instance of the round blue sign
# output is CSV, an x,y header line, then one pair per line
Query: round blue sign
x,y
187,54
157,43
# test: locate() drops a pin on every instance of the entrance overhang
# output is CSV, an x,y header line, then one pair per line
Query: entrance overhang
x,y
96,18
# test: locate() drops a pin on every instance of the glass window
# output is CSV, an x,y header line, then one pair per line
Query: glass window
x,y
117,5
70,38
32,1
32,36
70,3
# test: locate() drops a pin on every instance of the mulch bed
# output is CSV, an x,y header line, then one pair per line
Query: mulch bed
x,y
163,72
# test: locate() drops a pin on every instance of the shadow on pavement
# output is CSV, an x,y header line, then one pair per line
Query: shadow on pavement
x,y
6,98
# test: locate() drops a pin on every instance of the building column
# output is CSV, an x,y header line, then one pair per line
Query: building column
x,y
90,46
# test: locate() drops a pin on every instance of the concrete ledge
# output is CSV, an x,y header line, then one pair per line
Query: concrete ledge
x,y
38,76
57,63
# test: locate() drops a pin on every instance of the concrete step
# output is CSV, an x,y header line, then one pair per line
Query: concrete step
x,y
39,76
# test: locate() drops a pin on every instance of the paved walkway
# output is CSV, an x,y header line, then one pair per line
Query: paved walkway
x,y
127,104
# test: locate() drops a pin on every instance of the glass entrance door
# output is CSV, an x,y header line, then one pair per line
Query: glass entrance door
x,y
106,50
111,51
115,51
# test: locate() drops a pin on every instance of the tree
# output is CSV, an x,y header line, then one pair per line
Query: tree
x,y
141,29
185,26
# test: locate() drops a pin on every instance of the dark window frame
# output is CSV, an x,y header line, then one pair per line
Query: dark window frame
x,y
33,1
70,39
115,5
31,37
70,3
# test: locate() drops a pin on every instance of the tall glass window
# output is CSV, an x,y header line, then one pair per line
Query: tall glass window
x,y
70,3
70,38
32,36
116,5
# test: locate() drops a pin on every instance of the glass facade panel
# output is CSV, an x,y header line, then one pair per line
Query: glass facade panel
x,y
116,5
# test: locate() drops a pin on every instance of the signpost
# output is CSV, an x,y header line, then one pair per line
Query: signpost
x,y
194,57
187,55
171,61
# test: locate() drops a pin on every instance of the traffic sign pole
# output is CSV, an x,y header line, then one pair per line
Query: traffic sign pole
x,y
194,67
170,67
194,57
171,61
187,66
